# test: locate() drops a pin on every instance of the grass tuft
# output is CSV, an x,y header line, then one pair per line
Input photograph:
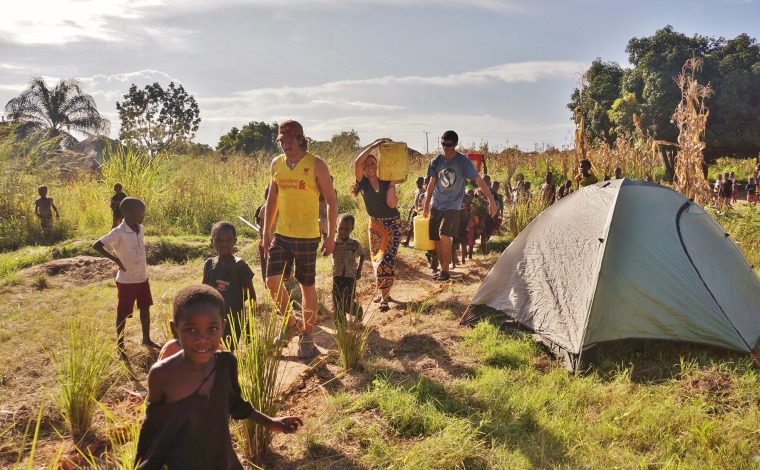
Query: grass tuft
x,y
498,349
351,336
258,363
85,368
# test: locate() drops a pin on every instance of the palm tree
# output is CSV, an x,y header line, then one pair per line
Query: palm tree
x,y
56,111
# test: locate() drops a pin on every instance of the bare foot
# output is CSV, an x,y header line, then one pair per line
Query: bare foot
x,y
149,343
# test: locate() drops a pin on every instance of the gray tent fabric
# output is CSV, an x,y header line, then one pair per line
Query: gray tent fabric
x,y
623,259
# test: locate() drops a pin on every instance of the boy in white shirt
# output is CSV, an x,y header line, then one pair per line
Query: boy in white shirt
x,y
127,240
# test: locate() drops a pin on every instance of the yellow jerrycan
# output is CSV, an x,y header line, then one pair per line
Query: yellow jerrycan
x,y
422,239
392,161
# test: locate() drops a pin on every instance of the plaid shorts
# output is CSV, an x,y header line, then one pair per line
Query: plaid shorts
x,y
288,250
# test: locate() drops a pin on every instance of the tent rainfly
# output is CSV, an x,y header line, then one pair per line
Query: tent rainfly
x,y
623,259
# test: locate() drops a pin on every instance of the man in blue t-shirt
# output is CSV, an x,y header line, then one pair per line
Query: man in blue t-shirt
x,y
448,174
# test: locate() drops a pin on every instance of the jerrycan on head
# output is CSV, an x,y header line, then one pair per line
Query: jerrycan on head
x,y
392,161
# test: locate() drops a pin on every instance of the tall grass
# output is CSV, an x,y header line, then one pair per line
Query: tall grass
x,y
351,335
86,368
258,362
138,173
521,213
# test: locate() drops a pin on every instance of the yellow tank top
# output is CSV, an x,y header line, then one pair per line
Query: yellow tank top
x,y
298,210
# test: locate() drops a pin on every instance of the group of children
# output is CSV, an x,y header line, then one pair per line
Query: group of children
x,y
193,388
726,189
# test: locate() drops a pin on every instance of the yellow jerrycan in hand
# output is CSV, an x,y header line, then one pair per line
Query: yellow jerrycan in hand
x,y
422,239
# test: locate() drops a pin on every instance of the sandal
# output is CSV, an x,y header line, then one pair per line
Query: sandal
x,y
384,307
442,276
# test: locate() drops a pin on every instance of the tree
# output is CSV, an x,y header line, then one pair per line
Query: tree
x,y
649,92
56,112
346,140
657,61
601,86
733,70
158,119
344,143
252,138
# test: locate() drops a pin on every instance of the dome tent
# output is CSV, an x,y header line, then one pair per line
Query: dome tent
x,y
623,259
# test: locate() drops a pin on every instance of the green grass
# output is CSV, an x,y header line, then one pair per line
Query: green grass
x,y
86,369
509,413
24,258
258,363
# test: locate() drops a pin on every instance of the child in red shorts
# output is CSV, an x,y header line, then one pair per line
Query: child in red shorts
x,y
127,240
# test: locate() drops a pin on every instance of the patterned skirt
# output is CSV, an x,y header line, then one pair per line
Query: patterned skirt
x,y
384,239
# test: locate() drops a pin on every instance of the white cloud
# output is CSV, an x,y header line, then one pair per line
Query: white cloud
x,y
337,91
492,5
64,21
403,107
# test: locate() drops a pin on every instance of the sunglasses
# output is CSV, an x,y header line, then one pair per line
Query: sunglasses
x,y
448,144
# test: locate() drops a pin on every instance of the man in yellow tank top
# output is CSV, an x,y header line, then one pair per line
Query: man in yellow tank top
x,y
298,178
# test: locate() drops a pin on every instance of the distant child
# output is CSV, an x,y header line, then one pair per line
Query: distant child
x,y
346,270
565,190
43,209
751,189
417,203
548,190
193,394
472,229
586,175
726,189
460,241
229,275
115,201
128,241
735,188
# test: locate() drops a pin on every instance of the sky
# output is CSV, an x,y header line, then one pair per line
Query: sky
x,y
495,71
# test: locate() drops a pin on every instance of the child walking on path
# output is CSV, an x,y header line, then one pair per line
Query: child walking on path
x,y
230,276
472,229
128,241
193,394
346,271
43,209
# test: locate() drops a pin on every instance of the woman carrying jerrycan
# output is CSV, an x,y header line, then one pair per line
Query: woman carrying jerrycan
x,y
380,200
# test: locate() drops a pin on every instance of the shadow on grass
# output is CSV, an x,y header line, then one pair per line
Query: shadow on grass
x,y
652,361
319,456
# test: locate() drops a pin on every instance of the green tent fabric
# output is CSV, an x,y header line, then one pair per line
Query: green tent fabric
x,y
623,259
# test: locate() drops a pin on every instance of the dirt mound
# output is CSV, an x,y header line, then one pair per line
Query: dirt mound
x,y
91,152
79,269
